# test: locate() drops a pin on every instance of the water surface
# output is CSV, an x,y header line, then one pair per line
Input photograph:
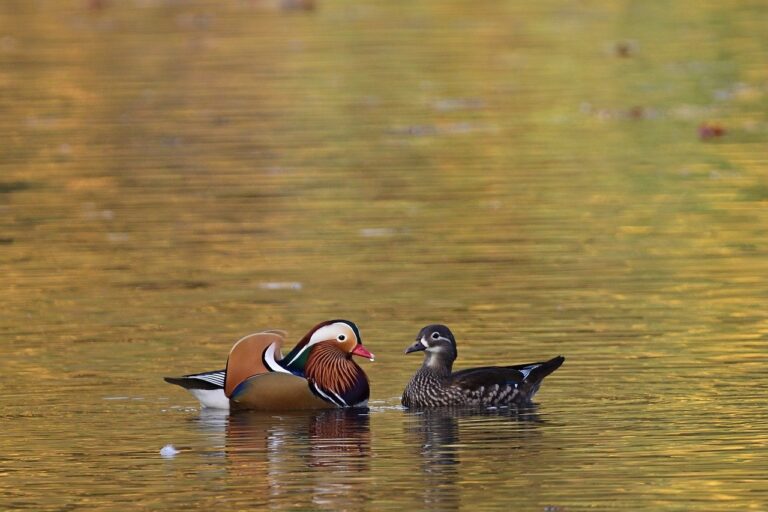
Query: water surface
x,y
546,178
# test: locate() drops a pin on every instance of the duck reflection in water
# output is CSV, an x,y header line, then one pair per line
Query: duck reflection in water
x,y
324,454
441,432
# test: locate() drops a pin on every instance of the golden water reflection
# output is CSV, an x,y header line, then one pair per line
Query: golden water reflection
x,y
330,450
546,178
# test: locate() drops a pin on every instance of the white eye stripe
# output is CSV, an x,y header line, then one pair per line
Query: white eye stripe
x,y
329,332
325,333
424,341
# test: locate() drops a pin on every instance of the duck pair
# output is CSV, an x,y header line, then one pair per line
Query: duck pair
x,y
319,373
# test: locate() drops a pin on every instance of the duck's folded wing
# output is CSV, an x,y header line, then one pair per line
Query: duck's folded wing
x,y
474,378
253,355
205,380
277,392
526,377
535,372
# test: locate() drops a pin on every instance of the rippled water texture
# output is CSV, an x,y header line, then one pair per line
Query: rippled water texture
x,y
554,177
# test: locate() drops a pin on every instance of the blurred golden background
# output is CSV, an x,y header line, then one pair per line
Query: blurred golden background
x,y
547,177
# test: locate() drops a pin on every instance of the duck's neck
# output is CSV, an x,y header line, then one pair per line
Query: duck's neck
x,y
294,362
437,363
332,368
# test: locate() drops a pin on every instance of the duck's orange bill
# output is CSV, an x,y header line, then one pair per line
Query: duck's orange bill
x,y
361,351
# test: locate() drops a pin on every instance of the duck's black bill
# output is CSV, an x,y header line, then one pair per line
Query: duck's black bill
x,y
415,347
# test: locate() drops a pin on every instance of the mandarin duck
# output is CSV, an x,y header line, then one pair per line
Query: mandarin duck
x,y
318,373
435,385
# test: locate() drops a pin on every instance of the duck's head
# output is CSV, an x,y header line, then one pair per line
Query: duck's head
x,y
343,334
437,341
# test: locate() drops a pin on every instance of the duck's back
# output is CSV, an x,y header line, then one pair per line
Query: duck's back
x,y
481,387
248,357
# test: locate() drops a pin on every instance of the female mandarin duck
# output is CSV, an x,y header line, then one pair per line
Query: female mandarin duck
x,y
434,385
317,374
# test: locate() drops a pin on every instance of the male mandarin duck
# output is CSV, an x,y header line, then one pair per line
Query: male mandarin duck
x,y
435,385
318,373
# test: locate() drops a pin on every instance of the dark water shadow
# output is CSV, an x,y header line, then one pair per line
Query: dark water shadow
x,y
443,434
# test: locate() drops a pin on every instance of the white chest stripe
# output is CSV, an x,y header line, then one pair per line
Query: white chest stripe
x,y
343,402
269,359
333,400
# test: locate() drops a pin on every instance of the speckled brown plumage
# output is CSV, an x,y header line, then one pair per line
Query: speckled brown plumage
x,y
436,385
430,389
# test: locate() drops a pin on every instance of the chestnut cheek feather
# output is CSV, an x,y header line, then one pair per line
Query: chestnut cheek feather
x,y
331,369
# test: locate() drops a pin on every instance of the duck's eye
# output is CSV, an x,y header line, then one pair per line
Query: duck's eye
x,y
435,335
341,337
